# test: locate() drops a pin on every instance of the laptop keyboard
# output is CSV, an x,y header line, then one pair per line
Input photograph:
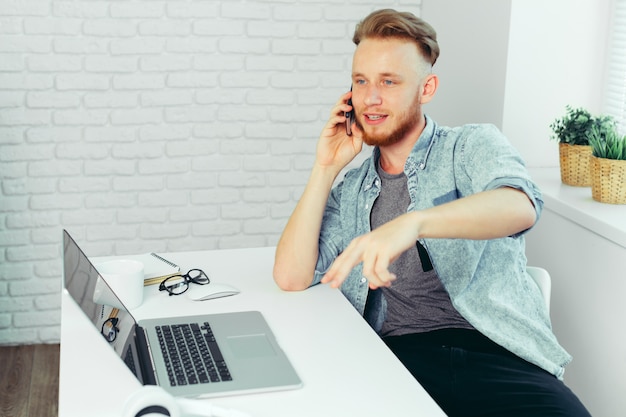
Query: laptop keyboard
x,y
191,354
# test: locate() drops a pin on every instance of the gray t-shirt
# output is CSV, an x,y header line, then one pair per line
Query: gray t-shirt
x,y
417,301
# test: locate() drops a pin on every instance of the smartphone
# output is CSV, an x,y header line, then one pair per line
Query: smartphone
x,y
349,117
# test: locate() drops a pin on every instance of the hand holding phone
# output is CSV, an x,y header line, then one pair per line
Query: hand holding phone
x,y
349,117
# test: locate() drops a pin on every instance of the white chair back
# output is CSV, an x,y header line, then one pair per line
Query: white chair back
x,y
542,278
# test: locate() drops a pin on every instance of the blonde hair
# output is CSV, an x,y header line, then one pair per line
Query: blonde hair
x,y
389,23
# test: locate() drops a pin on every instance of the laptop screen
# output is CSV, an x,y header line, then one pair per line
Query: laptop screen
x,y
86,287
80,278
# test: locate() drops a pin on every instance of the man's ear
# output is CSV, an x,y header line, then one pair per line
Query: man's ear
x,y
430,84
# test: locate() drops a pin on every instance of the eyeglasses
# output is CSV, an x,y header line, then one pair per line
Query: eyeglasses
x,y
109,329
178,284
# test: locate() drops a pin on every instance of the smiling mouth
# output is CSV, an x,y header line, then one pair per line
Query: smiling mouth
x,y
375,117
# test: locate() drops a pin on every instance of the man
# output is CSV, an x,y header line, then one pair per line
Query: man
x,y
426,237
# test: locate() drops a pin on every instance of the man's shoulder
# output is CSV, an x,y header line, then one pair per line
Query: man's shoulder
x,y
475,134
468,128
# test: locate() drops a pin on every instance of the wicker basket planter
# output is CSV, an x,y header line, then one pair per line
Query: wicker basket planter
x,y
575,164
608,183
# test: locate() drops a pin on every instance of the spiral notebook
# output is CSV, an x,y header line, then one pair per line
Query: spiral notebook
x,y
155,267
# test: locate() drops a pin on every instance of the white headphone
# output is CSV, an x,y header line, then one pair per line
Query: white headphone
x,y
154,401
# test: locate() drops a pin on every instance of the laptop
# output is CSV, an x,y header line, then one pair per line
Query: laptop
x,y
196,356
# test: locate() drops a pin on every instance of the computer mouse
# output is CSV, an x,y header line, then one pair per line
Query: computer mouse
x,y
211,291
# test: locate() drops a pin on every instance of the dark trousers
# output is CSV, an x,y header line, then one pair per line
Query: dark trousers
x,y
469,376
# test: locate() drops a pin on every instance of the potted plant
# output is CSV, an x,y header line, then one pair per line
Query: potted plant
x,y
572,131
608,165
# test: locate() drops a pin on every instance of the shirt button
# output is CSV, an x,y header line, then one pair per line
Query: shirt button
x,y
363,280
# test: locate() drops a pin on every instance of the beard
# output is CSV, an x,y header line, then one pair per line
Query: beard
x,y
407,121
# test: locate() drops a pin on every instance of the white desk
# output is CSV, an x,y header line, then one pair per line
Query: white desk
x,y
345,368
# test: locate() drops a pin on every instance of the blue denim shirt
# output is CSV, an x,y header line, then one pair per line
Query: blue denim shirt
x,y
486,279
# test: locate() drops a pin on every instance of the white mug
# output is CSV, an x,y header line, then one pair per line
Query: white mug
x,y
125,277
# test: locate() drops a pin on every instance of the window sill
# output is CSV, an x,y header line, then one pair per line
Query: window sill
x,y
576,205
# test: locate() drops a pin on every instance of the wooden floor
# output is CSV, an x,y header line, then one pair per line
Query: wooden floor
x,y
29,381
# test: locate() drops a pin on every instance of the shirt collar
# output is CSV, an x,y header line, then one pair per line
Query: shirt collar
x,y
419,155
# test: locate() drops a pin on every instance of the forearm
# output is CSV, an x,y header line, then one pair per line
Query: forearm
x,y
488,215
298,247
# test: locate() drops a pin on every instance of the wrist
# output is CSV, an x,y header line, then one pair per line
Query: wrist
x,y
324,173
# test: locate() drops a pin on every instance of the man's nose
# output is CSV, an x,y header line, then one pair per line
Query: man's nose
x,y
372,96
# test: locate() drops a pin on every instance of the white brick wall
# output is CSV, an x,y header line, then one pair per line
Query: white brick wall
x,y
156,125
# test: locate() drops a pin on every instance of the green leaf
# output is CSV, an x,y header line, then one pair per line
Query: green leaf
x,y
606,142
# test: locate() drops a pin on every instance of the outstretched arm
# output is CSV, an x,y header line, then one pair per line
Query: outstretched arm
x,y
487,215
297,249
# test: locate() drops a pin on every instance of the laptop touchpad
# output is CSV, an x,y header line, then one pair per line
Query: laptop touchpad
x,y
252,346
